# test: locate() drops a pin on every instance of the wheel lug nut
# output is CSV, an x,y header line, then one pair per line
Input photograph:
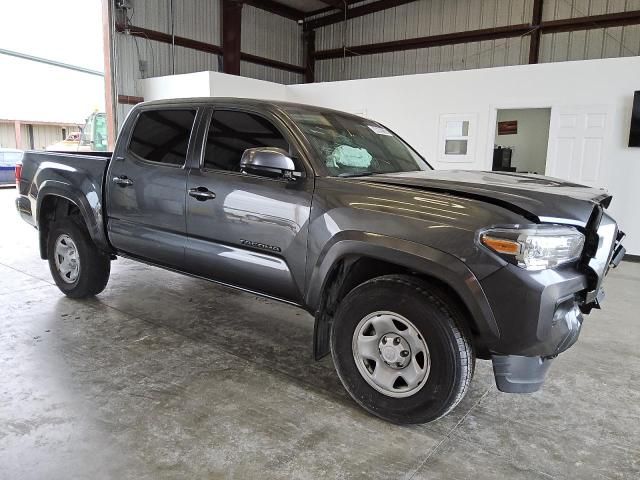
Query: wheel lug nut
x,y
384,339
404,353
396,341
399,364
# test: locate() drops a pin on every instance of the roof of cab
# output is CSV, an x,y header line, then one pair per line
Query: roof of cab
x,y
246,102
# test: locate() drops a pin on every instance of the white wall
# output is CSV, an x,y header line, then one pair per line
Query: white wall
x,y
223,85
413,106
176,86
209,84
530,143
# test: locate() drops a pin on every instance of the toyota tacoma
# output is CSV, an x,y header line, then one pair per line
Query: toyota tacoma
x,y
411,273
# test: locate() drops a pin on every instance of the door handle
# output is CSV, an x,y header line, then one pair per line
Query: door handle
x,y
202,194
123,181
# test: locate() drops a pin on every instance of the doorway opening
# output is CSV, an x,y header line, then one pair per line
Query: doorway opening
x,y
521,140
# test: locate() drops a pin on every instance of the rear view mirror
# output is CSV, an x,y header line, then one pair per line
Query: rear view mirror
x,y
268,161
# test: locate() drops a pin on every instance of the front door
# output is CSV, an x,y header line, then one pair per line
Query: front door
x,y
247,230
147,184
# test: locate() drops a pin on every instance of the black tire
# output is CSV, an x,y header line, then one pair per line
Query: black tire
x,y
434,314
95,265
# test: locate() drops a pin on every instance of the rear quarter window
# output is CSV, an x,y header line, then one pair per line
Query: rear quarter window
x,y
163,135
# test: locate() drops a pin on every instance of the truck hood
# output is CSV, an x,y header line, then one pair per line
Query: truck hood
x,y
536,197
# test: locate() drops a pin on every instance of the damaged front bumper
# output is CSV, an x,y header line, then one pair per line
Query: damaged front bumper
x,y
549,307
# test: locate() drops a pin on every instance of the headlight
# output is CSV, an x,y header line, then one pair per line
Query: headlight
x,y
535,248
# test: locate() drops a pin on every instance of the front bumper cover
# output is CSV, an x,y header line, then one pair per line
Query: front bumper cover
x,y
540,313
516,374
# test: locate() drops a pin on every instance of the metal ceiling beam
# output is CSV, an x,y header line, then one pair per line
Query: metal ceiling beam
x,y
553,26
426,42
354,12
162,37
591,22
267,62
339,4
277,8
205,47
47,61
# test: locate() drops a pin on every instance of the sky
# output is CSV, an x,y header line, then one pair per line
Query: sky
x,y
69,31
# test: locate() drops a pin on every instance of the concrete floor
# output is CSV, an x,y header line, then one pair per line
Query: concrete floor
x,y
165,376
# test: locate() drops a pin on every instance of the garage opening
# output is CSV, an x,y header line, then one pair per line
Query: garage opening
x,y
521,140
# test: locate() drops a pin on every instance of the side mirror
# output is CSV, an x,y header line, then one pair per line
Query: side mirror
x,y
269,162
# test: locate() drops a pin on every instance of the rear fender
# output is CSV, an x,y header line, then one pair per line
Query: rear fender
x,y
88,202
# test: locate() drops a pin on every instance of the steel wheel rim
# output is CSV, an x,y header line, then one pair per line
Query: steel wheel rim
x,y
380,341
67,259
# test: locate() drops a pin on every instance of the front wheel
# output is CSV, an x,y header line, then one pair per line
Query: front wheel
x,y
400,349
78,267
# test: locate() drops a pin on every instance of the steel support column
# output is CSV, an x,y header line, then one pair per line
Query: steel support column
x,y
231,34
534,42
309,38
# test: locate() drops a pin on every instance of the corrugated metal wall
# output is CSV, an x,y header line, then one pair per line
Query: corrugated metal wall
x,y
194,19
263,34
7,135
433,17
598,43
270,36
43,135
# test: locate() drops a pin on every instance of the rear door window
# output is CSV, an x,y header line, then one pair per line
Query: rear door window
x,y
162,136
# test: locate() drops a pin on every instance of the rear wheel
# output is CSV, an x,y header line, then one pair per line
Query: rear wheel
x,y
400,349
79,269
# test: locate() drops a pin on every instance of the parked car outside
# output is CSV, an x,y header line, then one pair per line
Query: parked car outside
x,y
9,157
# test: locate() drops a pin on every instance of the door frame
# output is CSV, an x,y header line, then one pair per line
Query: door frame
x,y
515,105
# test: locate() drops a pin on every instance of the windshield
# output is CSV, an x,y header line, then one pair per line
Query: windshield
x,y
352,146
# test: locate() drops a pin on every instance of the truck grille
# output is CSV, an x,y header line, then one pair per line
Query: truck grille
x,y
608,238
607,234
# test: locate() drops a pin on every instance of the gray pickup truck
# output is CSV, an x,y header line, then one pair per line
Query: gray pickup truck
x,y
411,273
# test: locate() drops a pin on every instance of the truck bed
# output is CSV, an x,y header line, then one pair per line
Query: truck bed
x,y
79,177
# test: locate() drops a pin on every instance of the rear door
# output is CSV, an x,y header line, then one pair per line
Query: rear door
x,y
249,231
146,186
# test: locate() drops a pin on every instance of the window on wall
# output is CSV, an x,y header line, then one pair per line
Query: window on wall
x,y
163,136
457,138
232,132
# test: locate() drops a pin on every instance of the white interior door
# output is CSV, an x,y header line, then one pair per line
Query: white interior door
x,y
576,143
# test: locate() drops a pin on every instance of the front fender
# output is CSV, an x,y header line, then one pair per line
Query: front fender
x,y
416,257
